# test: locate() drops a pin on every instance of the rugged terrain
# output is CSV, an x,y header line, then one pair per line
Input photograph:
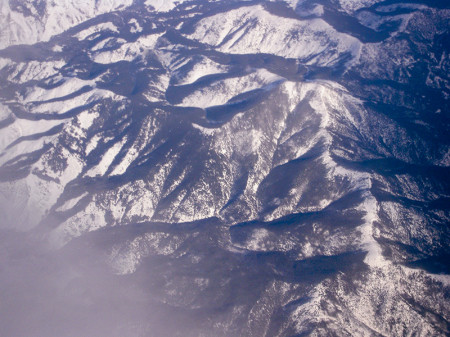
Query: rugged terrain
x,y
229,168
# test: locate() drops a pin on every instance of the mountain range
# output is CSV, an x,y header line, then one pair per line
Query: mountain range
x,y
224,168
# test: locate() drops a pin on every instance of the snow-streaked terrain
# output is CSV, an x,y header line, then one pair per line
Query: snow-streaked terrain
x,y
251,168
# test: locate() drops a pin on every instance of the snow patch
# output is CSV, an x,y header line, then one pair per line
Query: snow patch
x,y
106,160
93,142
57,48
374,257
163,5
256,242
5,112
69,204
87,118
135,27
5,63
205,131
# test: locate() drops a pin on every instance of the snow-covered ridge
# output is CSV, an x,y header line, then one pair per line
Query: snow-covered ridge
x,y
101,27
221,92
254,30
200,69
127,51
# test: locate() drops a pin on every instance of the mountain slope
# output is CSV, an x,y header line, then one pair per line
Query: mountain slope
x,y
247,168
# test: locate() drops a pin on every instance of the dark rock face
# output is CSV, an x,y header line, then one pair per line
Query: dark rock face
x,y
239,168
